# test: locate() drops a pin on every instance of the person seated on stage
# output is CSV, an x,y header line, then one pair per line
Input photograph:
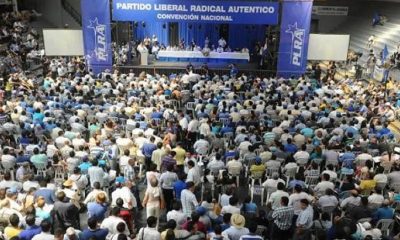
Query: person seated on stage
x,y
190,67
220,49
228,49
213,49
162,47
182,44
222,42
155,49
192,45
154,40
206,42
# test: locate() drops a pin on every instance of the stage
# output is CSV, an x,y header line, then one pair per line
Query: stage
x,y
167,68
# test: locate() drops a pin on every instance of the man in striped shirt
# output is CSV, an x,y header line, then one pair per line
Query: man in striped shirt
x,y
96,151
283,217
188,199
269,137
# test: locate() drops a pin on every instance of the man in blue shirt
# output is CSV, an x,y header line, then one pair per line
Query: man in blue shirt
x,y
93,231
47,193
98,209
179,186
22,158
148,149
31,230
290,147
38,117
156,114
347,158
384,212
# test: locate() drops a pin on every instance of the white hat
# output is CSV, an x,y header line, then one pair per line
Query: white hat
x,y
70,231
366,225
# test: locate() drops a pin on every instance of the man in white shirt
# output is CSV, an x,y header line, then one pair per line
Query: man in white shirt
x,y
232,208
275,198
323,185
294,198
97,174
8,183
376,197
201,146
150,232
302,156
353,200
216,164
176,214
7,160
188,199
45,234
273,182
123,191
193,174
112,221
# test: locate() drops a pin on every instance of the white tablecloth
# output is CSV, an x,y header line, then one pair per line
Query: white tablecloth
x,y
197,54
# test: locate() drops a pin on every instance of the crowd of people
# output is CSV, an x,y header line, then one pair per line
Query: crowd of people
x,y
232,157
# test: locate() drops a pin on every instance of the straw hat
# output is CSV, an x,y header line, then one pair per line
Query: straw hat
x,y
68,183
100,197
237,221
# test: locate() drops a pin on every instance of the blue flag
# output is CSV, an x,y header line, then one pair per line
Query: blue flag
x,y
97,34
295,33
385,53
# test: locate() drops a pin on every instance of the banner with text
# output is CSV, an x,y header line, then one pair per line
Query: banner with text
x,y
97,34
295,34
232,12
330,10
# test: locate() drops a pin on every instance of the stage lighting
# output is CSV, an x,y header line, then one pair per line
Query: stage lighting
x,y
164,25
135,24
190,26
143,24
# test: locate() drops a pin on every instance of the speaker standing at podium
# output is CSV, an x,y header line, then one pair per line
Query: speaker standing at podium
x,y
144,53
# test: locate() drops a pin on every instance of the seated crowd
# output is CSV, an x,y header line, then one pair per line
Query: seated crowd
x,y
199,157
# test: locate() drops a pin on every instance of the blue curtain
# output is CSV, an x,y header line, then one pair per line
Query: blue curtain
x,y
153,28
240,35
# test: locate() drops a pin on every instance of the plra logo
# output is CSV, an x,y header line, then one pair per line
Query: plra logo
x,y
298,35
100,46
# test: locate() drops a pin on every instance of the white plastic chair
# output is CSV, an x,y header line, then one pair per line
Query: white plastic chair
x,y
395,187
290,174
257,190
311,181
59,173
41,169
386,226
271,170
235,172
270,190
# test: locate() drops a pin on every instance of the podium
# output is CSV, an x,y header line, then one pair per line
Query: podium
x,y
144,55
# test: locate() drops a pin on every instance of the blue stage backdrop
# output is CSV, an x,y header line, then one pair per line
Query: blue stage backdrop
x,y
231,12
295,33
97,34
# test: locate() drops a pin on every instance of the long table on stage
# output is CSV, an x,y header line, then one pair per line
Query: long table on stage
x,y
197,56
